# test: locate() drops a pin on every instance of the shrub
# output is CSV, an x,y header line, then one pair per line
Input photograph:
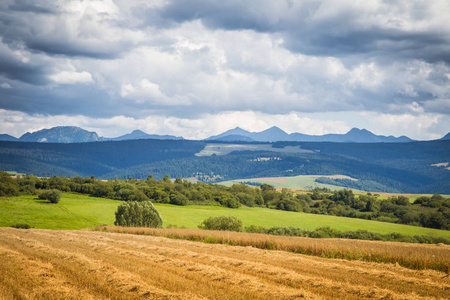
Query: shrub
x,y
222,223
138,214
8,186
255,229
21,226
178,199
53,196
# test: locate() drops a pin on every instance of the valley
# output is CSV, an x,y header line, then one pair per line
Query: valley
x,y
378,167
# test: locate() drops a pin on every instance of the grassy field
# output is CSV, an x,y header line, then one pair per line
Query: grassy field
x,y
303,183
72,212
192,216
80,211
53,264
224,149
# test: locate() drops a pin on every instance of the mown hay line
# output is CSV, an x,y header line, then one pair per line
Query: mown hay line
x,y
272,273
121,266
46,281
122,280
414,256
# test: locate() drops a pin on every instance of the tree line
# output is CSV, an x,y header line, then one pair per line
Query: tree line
x,y
433,212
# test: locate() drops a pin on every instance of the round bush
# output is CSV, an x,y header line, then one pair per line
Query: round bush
x,y
21,226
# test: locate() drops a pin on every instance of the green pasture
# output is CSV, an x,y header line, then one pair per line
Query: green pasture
x,y
224,149
72,212
191,216
79,211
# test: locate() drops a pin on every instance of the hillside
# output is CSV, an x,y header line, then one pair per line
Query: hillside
x,y
82,211
7,137
380,167
140,135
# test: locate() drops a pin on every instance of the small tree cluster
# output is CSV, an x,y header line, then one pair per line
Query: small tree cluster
x,y
138,214
53,196
222,223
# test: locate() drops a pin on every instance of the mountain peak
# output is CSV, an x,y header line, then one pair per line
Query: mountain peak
x,y
137,131
235,132
357,130
141,135
60,134
446,137
273,134
274,129
7,138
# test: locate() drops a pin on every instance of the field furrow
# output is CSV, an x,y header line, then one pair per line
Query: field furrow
x,y
48,264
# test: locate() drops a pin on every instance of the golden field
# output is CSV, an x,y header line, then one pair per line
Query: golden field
x,y
52,264
413,256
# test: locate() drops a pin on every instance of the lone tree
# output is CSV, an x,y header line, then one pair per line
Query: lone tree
x,y
138,214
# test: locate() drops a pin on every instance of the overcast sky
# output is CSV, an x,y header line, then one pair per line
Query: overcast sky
x,y
197,68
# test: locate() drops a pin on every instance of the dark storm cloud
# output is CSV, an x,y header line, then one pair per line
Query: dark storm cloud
x,y
67,100
227,15
344,33
190,58
44,27
33,6
31,74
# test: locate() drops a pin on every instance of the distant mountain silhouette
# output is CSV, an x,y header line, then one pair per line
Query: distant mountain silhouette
x,y
73,134
8,138
446,137
275,134
140,135
236,138
237,133
272,134
60,134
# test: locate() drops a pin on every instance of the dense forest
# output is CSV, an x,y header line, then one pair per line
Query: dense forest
x,y
380,167
433,212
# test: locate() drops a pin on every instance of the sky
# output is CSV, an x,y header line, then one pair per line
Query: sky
x,y
200,67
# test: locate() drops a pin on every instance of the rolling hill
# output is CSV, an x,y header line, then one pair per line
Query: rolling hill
x,y
140,135
383,167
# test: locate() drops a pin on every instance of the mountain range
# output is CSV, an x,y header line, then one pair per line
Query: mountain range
x,y
72,134
275,134
140,135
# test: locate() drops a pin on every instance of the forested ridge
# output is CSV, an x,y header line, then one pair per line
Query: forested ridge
x,y
380,167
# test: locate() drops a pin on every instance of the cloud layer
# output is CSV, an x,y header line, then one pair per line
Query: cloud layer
x,y
260,63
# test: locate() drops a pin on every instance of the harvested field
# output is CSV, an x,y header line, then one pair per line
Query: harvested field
x,y
410,255
294,183
50,264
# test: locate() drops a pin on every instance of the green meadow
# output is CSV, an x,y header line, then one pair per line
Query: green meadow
x,y
72,212
79,211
